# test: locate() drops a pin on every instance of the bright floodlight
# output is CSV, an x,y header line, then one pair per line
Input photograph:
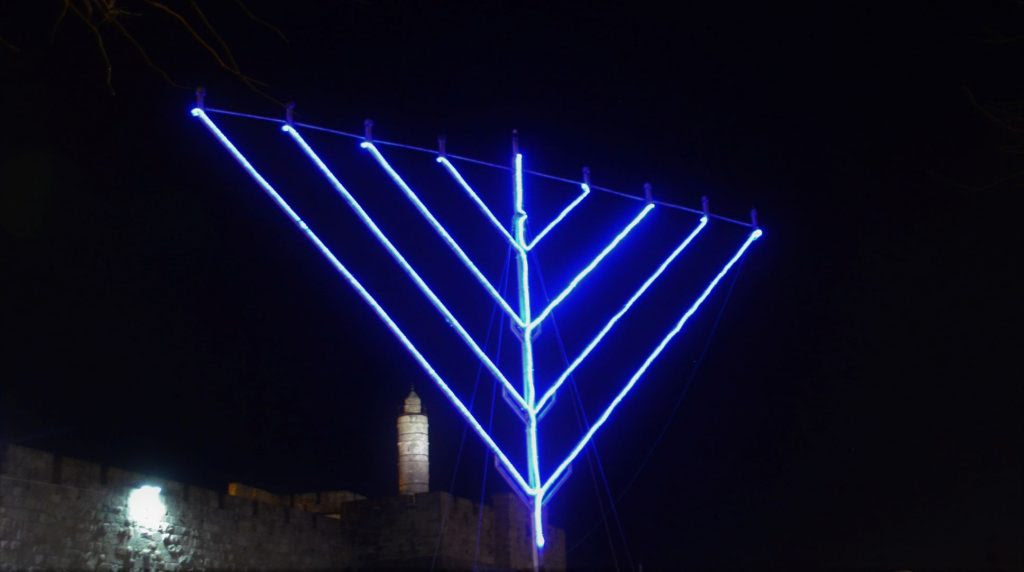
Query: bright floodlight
x,y
145,506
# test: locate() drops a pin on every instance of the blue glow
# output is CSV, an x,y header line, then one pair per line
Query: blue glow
x,y
561,215
593,263
440,230
368,298
394,252
550,393
533,489
520,212
523,267
538,520
647,363
476,199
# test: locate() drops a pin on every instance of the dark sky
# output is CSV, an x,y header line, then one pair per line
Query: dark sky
x,y
851,410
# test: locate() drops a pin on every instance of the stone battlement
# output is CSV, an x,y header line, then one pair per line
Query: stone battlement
x,y
61,512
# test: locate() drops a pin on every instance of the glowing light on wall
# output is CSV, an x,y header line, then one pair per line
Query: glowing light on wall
x,y
145,507
534,489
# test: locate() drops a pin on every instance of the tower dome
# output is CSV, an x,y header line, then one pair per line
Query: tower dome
x,y
412,403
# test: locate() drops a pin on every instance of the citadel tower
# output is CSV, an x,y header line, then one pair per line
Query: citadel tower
x,y
413,448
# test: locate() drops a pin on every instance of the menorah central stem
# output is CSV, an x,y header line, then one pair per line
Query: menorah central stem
x,y
526,340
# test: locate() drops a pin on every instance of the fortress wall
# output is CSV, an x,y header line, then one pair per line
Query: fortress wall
x,y
64,513
407,530
59,512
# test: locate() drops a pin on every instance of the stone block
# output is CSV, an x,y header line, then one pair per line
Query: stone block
x,y
201,497
238,505
79,473
119,478
24,463
79,528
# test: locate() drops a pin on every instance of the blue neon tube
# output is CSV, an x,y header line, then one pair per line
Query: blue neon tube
x,y
593,263
537,490
476,199
565,212
647,363
441,231
523,267
367,297
397,255
550,393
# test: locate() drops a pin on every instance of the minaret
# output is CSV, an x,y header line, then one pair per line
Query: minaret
x,y
413,448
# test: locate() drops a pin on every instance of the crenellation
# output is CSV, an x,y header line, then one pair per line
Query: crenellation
x,y
238,505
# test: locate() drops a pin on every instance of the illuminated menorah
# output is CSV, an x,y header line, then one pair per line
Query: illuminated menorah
x,y
534,489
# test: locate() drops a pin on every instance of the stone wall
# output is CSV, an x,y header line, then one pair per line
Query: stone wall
x,y
58,512
325,502
406,530
63,513
513,536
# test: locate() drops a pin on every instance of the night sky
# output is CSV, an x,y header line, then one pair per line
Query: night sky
x,y
841,401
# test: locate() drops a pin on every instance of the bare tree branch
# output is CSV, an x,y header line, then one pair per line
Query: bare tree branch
x,y
234,70
987,112
213,31
99,42
998,38
60,18
96,14
975,188
145,57
9,45
262,22
195,35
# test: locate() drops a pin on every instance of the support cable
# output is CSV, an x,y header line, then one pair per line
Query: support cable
x,y
686,386
362,136
581,416
675,407
487,460
472,400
